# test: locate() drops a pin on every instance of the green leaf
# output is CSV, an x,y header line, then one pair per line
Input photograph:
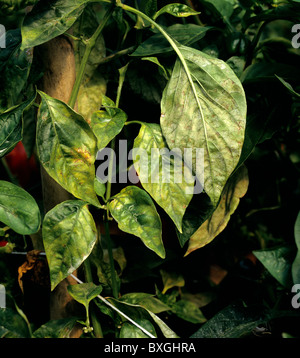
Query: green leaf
x,y
66,147
100,187
18,209
278,262
148,7
296,262
178,10
289,87
171,280
145,300
186,34
60,328
167,179
223,7
49,19
235,189
188,311
69,235
129,330
234,321
12,325
11,126
136,214
107,124
205,108
85,292
15,65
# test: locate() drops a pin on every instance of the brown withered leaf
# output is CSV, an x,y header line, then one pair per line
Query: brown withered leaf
x,y
28,265
234,190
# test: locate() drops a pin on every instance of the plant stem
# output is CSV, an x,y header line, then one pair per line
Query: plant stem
x,y
90,44
95,323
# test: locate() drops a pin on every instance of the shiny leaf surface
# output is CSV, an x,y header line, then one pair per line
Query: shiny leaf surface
x,y
18,209
69,235
66,147
136,214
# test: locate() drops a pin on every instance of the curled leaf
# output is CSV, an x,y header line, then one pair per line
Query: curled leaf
x,y
235,189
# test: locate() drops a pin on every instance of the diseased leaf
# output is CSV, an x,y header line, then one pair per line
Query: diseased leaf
x,y
66,147
234,321
106,124
235,189
49,19
162,173
129,330
145,300
178,10
186,34
11,126
206,109
18,209
69,235
136,214
12,325
84,292
59,328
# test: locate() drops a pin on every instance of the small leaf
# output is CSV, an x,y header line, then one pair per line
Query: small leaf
x,y
235,189
69,235
178,10
11,126
204,106
18,209
166,178
66,147
136,214
100,187
84,292
107,124
49,19
188,311
171,280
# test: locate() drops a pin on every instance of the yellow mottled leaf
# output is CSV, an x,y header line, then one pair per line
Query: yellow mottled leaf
x,y
234,190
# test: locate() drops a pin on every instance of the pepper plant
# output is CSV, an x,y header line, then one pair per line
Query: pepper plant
x,y
184,162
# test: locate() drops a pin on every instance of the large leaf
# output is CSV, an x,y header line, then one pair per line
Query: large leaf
x,y
49,19
106,124
234,321
15,65
12,325
136,214
224,8
185,34
11,127
296,262
204,106
165,178
60,328
69,235
235,189
18,209
67,148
